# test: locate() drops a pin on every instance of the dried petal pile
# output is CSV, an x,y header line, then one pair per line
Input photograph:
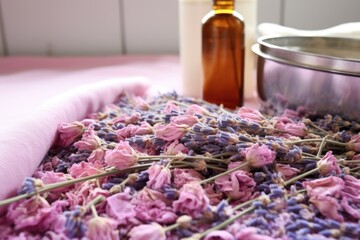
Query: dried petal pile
x,y
173,167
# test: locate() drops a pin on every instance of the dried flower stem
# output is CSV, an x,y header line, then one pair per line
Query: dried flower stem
x,y
224,173
145,158
318,140
294,179
49,187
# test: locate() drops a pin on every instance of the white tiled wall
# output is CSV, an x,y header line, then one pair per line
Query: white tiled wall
x,y
91,27
53,27
151,26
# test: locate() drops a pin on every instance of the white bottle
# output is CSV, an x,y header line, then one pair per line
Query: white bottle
x,y
190,14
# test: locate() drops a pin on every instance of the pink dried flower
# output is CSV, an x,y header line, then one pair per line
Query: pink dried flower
x,y
355,213
328,206
84,192
68,132
132,130
237,185
170,106
328,164
250,233
171,131
250,114
123,156
123,118
102,228
189,120
159,175
89,140
286,170
351,189
84,169
140,103
151,206
175,148
120,207
219,235
34,214
184,175
354,143
192,200
196,109
97,155
258,156
295,129
214,196
331,186
151,231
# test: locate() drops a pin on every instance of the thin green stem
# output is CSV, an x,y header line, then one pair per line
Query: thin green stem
x,y
224,173
294,179
144,158
94,212
53,186
317,140
171,227
322,145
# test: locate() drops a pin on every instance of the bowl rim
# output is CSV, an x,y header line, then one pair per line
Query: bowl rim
x,y
347,66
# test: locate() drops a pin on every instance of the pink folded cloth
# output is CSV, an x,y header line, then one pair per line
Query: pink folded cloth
x,y
24,144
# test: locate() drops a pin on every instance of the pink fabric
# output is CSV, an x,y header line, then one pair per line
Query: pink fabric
x,y
38,93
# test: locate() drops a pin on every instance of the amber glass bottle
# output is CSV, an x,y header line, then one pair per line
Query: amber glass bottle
x,y
223,40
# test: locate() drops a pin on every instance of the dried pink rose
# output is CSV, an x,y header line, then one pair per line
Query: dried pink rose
x,y
250,114
102,228
132,130
176,148
119,206
289,126
189,120
185,175
352,211
152,206
192,200
159,175
328,206
171,131
123,118
238,185
84,192
354,143
219,235
84,169
89,140
68,132
214,196
123,156
34,214
331,186
351,189
258,156
196,109
151,231
286,170
328,164
141,103
97,155
250,233
170,107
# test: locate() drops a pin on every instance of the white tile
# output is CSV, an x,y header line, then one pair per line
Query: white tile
x,y
269,11
66,27
319,14
151,27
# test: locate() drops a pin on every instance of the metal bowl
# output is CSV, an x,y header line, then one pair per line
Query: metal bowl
x,y
318,74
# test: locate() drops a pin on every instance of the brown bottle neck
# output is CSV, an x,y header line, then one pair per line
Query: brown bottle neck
x,y
223,5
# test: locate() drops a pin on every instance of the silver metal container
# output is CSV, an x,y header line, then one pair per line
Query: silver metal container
x,y
319,74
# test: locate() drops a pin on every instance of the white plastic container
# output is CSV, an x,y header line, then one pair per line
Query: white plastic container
x,y
191,13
